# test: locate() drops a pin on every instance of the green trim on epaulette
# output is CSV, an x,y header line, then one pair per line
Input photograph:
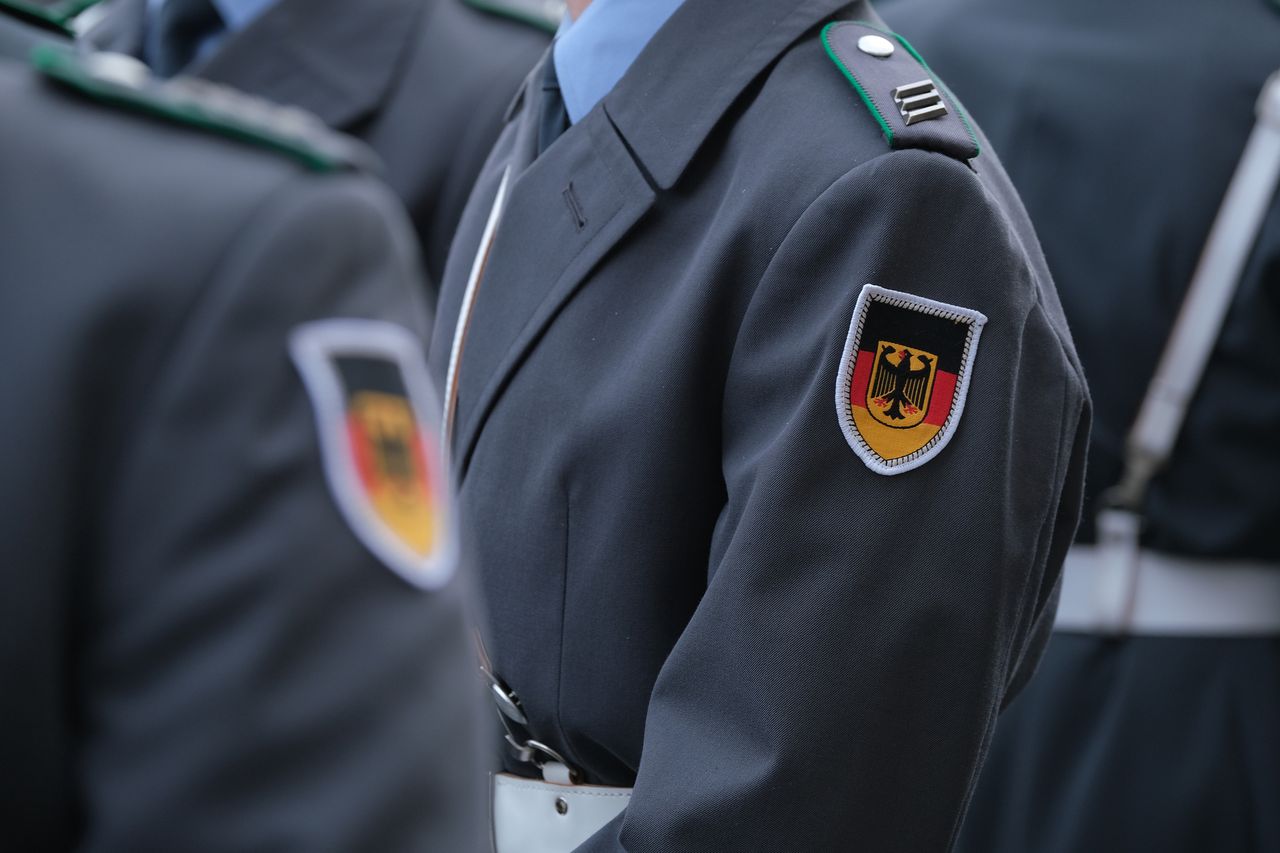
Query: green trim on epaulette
x,y
870,102
56,15
857,84
546,15
960,110
123,81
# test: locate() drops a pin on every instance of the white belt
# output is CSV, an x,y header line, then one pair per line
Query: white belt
x,y
1158,594
530,816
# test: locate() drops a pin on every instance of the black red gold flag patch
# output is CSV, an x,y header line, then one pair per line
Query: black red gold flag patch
x,y
904,377
376,411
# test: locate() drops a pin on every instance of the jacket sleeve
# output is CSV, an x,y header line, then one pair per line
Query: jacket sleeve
x,y
255,679
838,684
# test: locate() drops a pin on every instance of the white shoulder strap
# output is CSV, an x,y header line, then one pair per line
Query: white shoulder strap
x,y
1209,297
1245,206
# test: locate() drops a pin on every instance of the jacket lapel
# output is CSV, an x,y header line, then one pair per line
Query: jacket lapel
x,y
709,58
335,58
568,208
564,212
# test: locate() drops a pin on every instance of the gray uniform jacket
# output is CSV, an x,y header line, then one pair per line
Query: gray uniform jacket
x,y
196,651
18,37
695,583
424,82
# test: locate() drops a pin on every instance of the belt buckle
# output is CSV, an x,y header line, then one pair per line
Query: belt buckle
x,y
526,750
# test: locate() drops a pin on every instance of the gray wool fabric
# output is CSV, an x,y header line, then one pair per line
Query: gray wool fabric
x,y
18,37
694,584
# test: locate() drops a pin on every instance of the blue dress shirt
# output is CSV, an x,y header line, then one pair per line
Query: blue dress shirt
x,y
593,52
236,15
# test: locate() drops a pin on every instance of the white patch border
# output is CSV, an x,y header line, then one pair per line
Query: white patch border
x,y
844,376
313,347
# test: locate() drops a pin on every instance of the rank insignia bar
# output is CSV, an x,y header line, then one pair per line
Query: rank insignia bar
x,y
904,376
374,407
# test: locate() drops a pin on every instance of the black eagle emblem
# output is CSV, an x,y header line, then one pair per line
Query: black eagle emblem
x,y
899,388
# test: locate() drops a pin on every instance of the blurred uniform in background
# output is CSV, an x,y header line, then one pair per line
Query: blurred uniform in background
x,y
229,617
17,37
26,23
1121,125
423,82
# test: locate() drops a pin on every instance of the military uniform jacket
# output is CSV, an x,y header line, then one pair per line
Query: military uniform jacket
x,y
197,653
695,584
424,82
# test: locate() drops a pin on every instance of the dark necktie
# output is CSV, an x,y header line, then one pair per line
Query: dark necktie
x,y
553,119
181,26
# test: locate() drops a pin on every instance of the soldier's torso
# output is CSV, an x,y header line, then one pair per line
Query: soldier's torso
x,y
594,409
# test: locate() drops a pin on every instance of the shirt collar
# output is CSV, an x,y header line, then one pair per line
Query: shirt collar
x,y
594,52
236,14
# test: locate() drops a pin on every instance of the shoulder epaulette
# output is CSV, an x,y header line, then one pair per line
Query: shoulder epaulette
x,y
913,108
56,15
543,14
125,82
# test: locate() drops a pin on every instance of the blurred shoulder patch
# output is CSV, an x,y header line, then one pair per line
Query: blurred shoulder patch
x,y
375,410
904,377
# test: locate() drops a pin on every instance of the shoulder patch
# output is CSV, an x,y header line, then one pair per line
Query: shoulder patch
x,y
913,108
123,81
543,14
56,15
904,377
375,414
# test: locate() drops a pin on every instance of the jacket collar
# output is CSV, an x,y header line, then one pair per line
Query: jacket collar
x,y
645,132
335,58
665,132
594,52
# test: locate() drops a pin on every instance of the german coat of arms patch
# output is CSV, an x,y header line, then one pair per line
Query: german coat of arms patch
x,y
904,376
375,409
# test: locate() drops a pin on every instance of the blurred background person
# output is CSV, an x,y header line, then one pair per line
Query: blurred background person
x,y
229,615
424,82
1155,725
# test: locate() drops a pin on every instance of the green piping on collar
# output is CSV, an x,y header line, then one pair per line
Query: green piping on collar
x,y
168,101
857,84
870,102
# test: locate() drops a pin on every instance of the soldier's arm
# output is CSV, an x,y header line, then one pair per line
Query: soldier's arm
x,y
839,682
256,678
